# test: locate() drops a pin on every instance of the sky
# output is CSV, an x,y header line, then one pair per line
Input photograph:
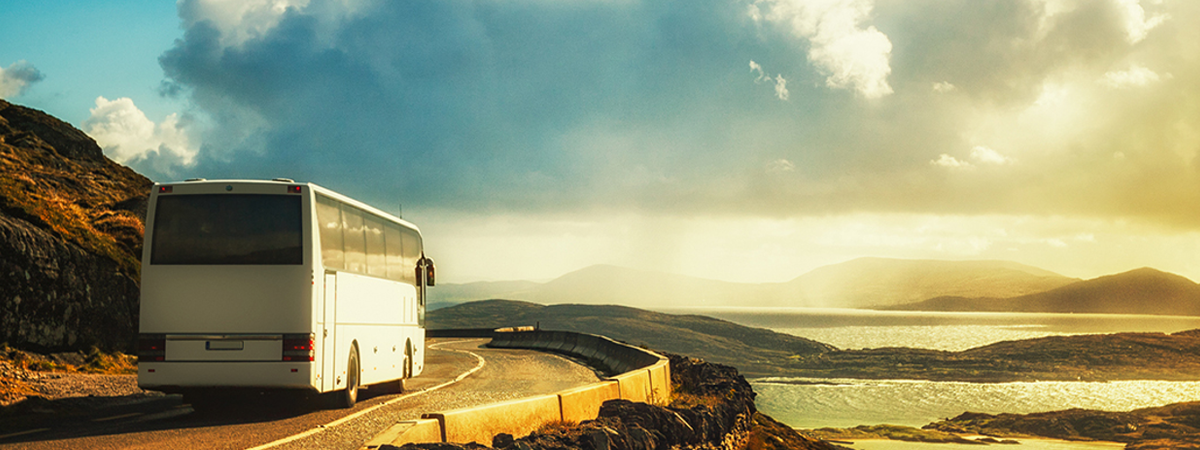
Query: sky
x,y
739,140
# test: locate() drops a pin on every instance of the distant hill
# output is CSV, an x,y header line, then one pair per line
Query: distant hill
x,y
754,351
864,282
1141,291
872,282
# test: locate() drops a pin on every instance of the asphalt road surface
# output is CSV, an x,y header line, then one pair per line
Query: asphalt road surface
x,y
275,422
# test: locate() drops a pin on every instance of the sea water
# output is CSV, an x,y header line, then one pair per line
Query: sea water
x,y
843,403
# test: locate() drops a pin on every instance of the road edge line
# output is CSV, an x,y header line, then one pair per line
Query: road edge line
x,y
320,428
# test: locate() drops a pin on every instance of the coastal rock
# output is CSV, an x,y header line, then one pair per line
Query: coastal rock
x,y
71,224
1169,427
713,410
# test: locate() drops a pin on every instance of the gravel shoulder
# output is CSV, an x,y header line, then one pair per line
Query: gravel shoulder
x,y
24,375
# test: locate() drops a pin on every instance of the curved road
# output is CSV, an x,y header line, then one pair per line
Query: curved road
x,y
165,423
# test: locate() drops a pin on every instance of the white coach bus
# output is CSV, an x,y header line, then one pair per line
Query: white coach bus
x,y
278,285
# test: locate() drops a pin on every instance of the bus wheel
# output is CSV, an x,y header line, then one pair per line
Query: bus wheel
x,y
348,396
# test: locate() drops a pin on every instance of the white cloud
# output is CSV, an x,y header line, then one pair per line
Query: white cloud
x,y
988,156
780,166
781,90
1137,25
17,78
851,57
781,87
242,20
757,68
1135,76
951,162
943,87
126,135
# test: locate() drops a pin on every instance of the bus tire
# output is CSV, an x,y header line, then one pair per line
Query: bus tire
x,y
346,398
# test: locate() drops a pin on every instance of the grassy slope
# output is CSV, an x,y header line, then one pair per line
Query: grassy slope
x,y
754,351
56,178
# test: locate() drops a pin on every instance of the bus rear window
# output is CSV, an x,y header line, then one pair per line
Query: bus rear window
x,y
227,229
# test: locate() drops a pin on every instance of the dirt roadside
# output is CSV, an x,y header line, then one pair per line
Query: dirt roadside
x,y
60,375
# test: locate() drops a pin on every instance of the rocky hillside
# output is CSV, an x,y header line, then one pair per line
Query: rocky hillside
x,y
70,237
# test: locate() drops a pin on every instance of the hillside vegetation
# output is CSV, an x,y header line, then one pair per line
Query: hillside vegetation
x,y
754,351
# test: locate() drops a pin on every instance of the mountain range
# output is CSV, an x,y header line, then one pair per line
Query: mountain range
x,y
864,283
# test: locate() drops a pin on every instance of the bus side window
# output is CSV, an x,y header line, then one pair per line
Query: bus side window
x,y
376,258
356,251
329,216
412,252
395,255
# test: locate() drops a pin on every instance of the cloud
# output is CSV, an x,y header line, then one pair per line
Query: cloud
x,y
534,107
1137,25
851,57
950,162
129,137
1134,77
781,91
986,155
980,154
780,166
943,87
17,78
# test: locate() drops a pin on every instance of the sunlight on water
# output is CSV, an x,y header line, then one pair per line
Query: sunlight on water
x,y
846,403
936,337
1027,444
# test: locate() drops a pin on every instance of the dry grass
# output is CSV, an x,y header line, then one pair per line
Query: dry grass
x,y
95,361
557,427
65,218
686,400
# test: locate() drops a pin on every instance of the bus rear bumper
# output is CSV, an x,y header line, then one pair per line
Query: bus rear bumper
x,y
182,376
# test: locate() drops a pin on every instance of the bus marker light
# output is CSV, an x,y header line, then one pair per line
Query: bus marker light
x,y
165,189
294,189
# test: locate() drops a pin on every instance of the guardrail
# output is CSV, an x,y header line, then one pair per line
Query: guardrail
x,y
639,375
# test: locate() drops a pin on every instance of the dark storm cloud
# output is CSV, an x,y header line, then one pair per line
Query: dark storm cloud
x,y
477,104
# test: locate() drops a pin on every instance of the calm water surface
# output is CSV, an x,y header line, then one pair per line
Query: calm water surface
x,y
816,403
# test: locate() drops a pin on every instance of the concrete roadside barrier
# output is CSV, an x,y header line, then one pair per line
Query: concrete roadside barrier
x,y
583,403
634,385
660,381
419,431
480,424
642,376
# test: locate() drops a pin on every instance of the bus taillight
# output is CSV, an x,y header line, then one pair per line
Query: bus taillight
x,y
152,347
298,347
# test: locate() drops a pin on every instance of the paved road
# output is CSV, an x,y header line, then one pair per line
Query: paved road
x,y
165,423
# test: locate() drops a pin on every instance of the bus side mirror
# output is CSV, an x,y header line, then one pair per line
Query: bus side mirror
x,y
429,272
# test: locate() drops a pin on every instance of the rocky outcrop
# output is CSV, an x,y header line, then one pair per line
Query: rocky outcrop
x,y
1100,357
71,224
1169,427
712,409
